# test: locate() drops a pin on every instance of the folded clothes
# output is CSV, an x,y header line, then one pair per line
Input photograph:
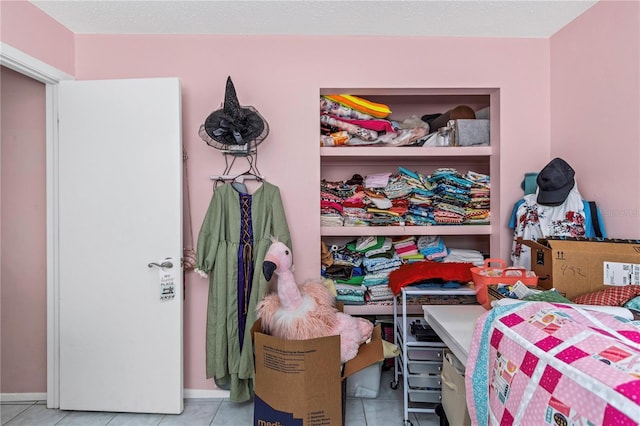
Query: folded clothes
x,y
350,299
337,271
465,255
426,285
353,280
380,289
375,279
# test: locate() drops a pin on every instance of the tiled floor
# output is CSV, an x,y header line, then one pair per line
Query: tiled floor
x,y
385,410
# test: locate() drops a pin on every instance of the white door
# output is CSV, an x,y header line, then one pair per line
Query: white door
x,y
120,209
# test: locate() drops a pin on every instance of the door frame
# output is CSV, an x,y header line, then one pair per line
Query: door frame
x,y
29,66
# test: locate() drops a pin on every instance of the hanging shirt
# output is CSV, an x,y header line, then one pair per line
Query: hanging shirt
x,y
530,221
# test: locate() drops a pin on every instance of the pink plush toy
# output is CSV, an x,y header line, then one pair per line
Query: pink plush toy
x,y
306,311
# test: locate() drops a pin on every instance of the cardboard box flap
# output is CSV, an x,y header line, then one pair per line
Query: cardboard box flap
x,y
256,328
540,244
368,354
627,247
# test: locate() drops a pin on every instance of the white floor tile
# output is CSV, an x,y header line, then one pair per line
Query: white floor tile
x,y
85,418
38,415
199,413
232,414
136,419
9,411
385,410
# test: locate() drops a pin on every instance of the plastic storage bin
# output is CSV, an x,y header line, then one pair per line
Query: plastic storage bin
x,y
366,382
487,275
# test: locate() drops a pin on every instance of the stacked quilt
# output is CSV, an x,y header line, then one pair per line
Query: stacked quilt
x,y
539,363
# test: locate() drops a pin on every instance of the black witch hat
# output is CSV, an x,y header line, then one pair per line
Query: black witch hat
x,y
234,127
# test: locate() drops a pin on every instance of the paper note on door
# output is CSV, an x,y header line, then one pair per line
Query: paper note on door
x,y
168,277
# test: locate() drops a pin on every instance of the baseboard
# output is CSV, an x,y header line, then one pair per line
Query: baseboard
x,y
188,394
205,394
23,397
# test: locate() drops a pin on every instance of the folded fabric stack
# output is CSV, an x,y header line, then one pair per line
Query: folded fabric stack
x,y
407,249
360,270
372,246
331,209
378,293
381,264
347,274
460,199
377,285
352,120
350,294
407,198
432,247
464,255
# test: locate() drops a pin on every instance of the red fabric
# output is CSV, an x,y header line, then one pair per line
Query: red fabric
x,y
412,273
613,296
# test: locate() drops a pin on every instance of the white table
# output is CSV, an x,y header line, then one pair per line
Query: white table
x,y
455,325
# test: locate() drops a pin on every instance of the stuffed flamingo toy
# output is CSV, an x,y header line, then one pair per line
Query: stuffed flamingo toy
x,y
306,311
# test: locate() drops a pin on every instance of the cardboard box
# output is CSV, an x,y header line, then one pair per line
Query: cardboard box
x,y
300,382
576,267
454,395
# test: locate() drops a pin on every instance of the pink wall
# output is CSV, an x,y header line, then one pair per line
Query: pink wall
x,y
28,29
282,76
23,253
595,105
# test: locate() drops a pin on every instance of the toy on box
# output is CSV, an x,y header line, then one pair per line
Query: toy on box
x,y
307,310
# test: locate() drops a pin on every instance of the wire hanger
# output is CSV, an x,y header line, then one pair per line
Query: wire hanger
x,y
253,173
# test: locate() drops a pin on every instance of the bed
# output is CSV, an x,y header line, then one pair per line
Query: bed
x,y
541,363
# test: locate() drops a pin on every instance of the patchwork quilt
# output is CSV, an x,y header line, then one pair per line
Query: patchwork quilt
x,y
541,363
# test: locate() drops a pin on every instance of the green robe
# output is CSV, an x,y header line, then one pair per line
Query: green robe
x,y
217,252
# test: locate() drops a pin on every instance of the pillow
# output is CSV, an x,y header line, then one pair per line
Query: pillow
x,y
612,296
633,304
362,105
548,296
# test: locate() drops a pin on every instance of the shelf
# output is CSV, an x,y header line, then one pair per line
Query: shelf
x,y
346,231
464,290
410,152
375,309
340,163
410,340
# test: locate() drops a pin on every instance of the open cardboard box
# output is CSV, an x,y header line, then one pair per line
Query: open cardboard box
x,y
576,267
300,382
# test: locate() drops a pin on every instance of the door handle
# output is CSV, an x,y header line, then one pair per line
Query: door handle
x,y
163,265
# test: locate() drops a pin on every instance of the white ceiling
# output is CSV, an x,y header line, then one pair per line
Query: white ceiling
x,y
465,18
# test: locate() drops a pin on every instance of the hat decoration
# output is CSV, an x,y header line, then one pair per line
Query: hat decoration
x,y
234,128
555,181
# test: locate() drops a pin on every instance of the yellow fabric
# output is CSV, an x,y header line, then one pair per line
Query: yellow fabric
x,y
381,211
363,105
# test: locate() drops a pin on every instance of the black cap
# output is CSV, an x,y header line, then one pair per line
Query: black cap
x,y
555,181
